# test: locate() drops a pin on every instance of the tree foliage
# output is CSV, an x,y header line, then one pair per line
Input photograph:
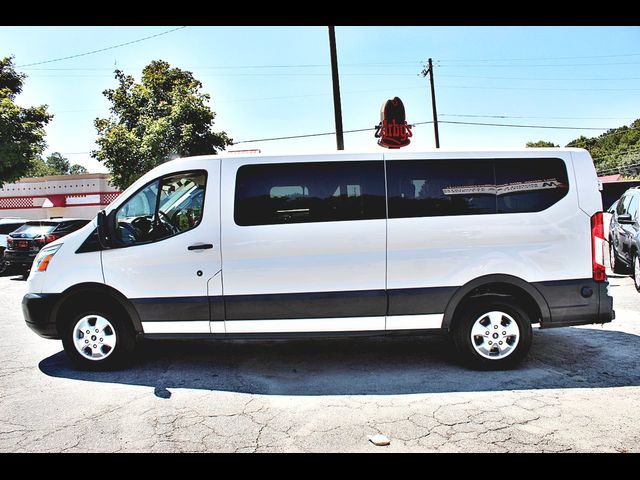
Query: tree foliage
x,y
616,150
541,144
54,164
21,129
163,116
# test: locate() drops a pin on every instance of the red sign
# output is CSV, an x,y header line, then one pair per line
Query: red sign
x,y
393,130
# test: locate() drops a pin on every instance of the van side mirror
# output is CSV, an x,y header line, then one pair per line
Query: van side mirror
x,y
107,229
103,236
625,219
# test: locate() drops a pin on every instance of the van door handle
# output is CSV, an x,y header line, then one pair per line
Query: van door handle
x,y
200,246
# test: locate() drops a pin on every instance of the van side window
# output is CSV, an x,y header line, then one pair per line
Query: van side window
x,y
530,185
430,188
309,192
164,208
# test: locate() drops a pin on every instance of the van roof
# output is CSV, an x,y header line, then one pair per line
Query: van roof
x,y
224,155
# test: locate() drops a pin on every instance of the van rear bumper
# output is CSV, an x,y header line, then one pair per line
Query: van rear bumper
x,y
37,309
577,302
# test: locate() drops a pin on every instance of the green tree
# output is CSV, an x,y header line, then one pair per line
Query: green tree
x,y
541,144
54,164
164,116
21,129
39,168
615,151
58,164
77,169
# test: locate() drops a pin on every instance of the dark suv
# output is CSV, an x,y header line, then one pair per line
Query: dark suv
x,y
624,236
24,244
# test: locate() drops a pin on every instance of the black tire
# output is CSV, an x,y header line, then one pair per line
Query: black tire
x,y
4,267
634,275
465,320
617,265
121,353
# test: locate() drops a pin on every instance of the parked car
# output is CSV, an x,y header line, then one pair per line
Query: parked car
x,y
606,219
479,244
7,225
24,243
624,236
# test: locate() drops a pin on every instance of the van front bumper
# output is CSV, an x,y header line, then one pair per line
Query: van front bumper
x,y
37,309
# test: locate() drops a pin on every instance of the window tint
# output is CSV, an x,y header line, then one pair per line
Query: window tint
x,y
309,192
181,200
135,218
633,206
623,205
529,185
164,208
37,228
7,228
426,188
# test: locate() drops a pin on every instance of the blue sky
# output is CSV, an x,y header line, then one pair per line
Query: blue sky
x,y
558,76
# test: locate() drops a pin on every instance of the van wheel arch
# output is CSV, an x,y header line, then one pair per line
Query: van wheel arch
x,y
498,286
94,294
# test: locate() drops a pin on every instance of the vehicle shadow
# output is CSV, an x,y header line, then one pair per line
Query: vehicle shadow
x,y
565,358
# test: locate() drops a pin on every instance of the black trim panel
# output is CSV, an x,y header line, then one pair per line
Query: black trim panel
x,y
569,306
360,303
37,308
287,335
417,301
168,309
561,303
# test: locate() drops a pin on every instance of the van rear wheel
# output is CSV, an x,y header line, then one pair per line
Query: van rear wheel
x,y
98,339
493,334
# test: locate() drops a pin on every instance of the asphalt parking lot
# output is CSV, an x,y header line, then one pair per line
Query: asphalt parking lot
x,y
578,391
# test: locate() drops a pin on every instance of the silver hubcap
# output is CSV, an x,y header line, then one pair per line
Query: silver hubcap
x,y
636,270
495,335
94,337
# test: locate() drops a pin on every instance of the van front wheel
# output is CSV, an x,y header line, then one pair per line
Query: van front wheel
x,y
493,334
98,340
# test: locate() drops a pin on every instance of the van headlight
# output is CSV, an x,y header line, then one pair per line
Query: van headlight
x,y
43,258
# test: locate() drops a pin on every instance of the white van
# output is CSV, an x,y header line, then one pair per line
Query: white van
x,y
482,244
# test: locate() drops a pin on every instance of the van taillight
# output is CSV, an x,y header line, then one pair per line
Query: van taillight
x,y
597,247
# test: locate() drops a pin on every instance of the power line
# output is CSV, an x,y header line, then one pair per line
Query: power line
x,y
540,58
555,127
230,67
538,65
423,123
539,117
543,89
101,49
540,78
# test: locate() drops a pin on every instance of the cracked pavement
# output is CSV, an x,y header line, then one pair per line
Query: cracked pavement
x,y
578,391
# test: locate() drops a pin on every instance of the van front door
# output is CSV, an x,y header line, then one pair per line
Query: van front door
x,y
304,244
169,231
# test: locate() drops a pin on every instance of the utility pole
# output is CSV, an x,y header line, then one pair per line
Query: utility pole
x,y
425,72
337,107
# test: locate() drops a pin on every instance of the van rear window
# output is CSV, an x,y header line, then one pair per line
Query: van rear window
x,y
309,192
426,188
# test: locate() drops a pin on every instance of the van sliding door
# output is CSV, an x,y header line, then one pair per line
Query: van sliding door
x,y
304,244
